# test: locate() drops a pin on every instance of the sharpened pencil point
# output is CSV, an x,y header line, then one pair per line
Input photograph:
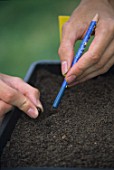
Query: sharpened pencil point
x,y
96,18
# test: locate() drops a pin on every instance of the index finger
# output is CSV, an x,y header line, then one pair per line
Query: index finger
x,y
70,34
103,36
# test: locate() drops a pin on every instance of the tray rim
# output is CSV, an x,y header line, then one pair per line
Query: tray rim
x,y
34,64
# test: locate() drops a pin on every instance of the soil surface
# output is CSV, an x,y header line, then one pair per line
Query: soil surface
x,y
80,133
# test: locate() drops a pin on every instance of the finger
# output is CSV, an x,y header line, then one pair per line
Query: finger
x,y
66,50
4,108
109,52
13,97
94,53
102,70
32,93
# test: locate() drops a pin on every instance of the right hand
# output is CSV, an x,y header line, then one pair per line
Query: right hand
x,y
15,92
100,56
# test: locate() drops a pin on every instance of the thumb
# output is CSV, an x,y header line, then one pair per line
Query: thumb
x,y
70,33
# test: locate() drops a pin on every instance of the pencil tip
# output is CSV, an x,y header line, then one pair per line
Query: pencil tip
x,y
96,18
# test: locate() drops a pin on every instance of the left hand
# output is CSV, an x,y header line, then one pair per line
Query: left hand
x,y
15,92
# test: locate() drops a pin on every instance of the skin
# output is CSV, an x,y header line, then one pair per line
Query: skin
x,y
15,92
100,55
97,60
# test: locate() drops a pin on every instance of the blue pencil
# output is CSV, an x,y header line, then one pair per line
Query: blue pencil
x,y
76,58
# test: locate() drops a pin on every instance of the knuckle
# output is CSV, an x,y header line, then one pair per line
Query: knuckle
x,y
95,57
99,65
24,105
80,69
104,70
10,96
17,81
36,92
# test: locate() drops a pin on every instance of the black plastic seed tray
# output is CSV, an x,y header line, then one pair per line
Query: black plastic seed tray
x,y
11,118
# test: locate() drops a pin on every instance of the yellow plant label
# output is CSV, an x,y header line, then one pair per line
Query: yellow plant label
x,y
62,20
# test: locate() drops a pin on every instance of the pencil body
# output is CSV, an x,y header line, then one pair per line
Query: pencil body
x,y
76,58
60,94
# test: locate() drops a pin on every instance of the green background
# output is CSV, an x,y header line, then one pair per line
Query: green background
x,y
29,32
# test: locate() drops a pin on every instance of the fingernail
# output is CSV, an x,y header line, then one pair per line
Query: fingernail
x,y
64,67
33,113
71,79
39,105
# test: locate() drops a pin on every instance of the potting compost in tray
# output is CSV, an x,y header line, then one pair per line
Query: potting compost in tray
x,y
80,133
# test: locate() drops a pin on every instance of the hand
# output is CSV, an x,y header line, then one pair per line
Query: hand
x,y
15,92
100,55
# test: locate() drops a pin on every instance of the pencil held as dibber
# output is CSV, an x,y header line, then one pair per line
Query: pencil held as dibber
x,y
77,57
